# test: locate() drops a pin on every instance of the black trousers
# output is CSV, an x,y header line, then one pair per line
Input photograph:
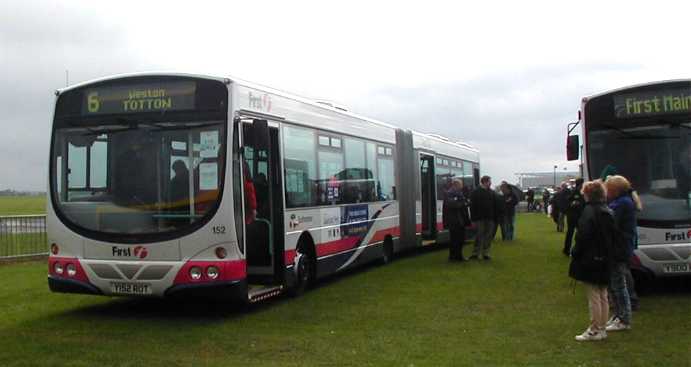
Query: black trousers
x,y
571,223
457,235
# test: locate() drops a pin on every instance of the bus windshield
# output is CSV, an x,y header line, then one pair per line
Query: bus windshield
x,y
655,156
144,178
131,160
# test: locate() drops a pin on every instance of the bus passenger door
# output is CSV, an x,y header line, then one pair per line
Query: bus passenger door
x,y
428,198
263,202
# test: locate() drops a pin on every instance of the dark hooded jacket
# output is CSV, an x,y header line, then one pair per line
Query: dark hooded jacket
x,y
592,255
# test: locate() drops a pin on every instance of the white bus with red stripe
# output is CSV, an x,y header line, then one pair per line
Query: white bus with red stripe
x,y
190,185
642,133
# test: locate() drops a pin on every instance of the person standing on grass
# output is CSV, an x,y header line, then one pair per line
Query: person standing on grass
x,y
562,205
530,198
482,211
456,218
590,257
573,212
498,214
510,202
620,287
545,201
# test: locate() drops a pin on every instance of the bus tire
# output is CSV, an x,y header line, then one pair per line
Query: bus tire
x,y
387,256
304,268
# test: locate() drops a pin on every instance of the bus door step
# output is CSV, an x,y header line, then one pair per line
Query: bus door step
x,y
256,293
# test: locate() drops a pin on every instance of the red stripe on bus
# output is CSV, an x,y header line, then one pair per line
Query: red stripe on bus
x,y
334,247
381,234
289,256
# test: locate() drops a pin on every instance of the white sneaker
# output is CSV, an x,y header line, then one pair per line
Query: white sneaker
x,y
611,320
589,335
617,325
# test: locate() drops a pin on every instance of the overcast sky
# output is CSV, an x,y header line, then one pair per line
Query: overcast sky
x,y
506,77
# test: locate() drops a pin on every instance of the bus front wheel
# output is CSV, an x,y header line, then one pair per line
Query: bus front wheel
x,y
304,272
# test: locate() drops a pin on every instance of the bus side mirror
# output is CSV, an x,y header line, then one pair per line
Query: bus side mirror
x,y
572,146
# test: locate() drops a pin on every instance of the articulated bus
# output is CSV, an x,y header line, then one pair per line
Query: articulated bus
x,y
167,185
644,133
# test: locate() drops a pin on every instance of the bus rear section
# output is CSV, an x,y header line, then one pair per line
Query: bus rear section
x,y
136,182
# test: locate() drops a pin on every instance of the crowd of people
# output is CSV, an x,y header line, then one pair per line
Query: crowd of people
x,y
492,210
600,237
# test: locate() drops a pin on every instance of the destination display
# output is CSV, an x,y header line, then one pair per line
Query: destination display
x,y
644,104
137,98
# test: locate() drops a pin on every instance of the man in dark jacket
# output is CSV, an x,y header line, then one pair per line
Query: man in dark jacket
x,y
573,212
530,198
456,218
510,202
482,205
562,199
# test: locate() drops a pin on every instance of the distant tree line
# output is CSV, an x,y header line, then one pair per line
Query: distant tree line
x,y
11,192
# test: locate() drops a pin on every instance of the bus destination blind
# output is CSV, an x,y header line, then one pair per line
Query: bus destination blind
x,y
645,104
138,98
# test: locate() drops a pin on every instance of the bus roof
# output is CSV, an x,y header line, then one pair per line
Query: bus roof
x,y
585,99
437,139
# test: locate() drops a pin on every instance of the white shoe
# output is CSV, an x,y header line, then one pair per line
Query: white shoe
x,y
589,335
617,325
611,320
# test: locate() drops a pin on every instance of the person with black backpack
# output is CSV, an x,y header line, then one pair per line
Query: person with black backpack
x,y
592,257
621,290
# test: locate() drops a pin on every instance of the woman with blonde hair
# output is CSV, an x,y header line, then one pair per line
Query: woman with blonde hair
x,y
590,257
621,286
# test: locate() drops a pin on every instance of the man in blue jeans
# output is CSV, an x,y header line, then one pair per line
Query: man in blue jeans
x,y
510,202
622,205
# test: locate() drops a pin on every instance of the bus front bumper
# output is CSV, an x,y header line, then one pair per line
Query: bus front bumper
x,y
231,290
63,285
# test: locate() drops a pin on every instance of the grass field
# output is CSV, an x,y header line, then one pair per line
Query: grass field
x,y
519,309
17,244
23,244
22,205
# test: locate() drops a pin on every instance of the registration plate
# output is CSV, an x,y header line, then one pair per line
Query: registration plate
x,y
676,268
138,289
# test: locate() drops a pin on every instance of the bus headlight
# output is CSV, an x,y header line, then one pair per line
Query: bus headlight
x,y
195,273
212,272
58,268
71,270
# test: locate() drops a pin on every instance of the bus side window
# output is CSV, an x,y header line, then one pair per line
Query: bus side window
x,y
300,167
386,179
